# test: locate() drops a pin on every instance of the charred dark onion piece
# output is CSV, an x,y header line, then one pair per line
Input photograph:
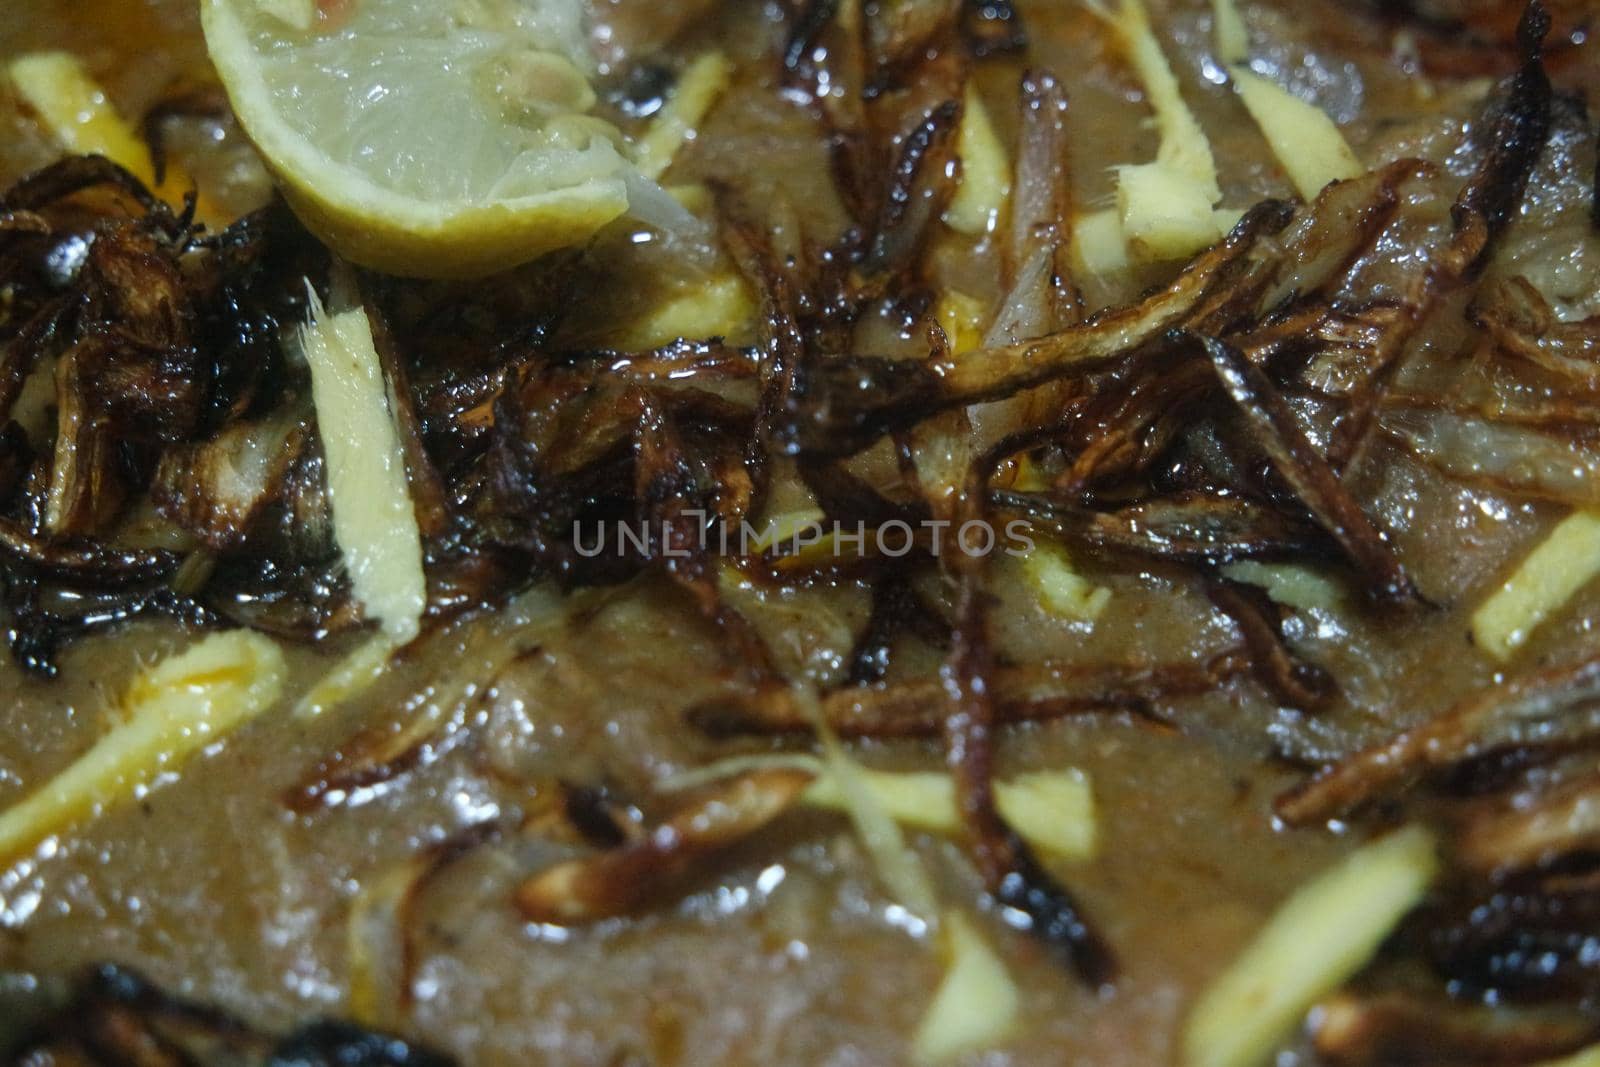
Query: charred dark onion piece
x,y
805,35
1522,941
197,100
919,187
1430,1031
1276,430
1525,832
1523,324
88,562
1030,897
74,174
116,1018
38,633
337,1044
896,610
842,405
1517,135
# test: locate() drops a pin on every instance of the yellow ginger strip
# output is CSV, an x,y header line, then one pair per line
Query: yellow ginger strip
x,y
1288,584
977,1004
1306,141
783,528
75,110
1166,206
698,91
961,317
374,521
1566,561
719,307
985,172
1099,245
898,867
169,712
1184,146
1326,932
1233,39
1060,588
1589,1057
1053,810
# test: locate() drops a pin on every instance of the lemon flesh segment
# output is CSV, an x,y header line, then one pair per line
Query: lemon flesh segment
x,y
416,143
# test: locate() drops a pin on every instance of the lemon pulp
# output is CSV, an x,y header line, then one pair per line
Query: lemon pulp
x,y
424,138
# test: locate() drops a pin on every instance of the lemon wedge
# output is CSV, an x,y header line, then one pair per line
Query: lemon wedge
x,y
429,138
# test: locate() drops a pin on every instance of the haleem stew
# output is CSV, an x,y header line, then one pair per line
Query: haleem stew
x,y
673,533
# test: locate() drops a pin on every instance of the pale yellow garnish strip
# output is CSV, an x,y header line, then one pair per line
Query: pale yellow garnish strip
x,y
1061,590
1552,574
1589,1057
1326,932
961,317
977,1004
74,109
720,307
1233,40
1166,207
1306,141
1288,584
1053,811
898,867
679,121
1184,146
985,172
374,520
169,712
783,528
353,675
1099,245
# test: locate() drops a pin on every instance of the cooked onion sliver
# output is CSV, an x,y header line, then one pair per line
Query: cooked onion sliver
x,y
1523,459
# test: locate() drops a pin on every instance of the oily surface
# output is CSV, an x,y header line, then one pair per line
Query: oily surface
x,y
216,884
